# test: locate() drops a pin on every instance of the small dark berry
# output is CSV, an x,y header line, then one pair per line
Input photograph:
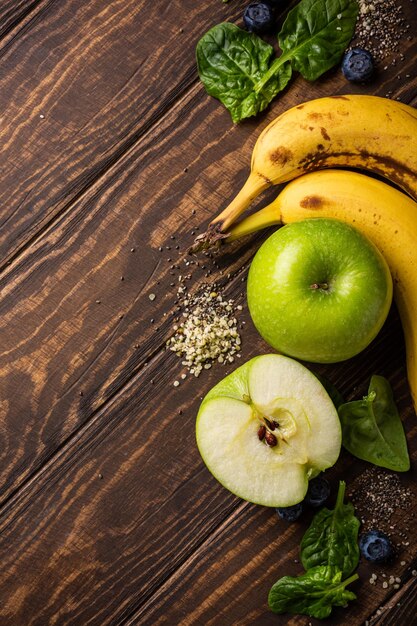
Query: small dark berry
x,y
290,513
376,546
258,17
358,65
318,492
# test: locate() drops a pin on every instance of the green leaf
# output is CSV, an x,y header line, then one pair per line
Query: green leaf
x,y
316,33
231,62
372,429
332,538
313,593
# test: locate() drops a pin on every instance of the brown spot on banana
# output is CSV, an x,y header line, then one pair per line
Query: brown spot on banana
x,y
312,202
264,178
388,167
324,133
280,156
314,116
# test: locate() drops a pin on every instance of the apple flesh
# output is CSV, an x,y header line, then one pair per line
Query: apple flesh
x,y
318,290
268,390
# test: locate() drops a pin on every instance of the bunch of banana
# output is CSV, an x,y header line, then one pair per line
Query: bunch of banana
x,y
363,132
357,131
385,215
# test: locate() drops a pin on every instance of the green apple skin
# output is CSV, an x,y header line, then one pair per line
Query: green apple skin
x,y
309,433
318,290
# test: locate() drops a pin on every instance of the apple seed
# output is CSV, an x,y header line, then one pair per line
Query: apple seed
x,y
270,439
261,432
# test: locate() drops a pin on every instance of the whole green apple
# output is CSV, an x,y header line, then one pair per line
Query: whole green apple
x,y
266,429
319,290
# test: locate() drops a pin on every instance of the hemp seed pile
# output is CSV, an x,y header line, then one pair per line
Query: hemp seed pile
x,y
207,331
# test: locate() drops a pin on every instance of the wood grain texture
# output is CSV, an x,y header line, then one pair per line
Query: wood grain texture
x,y
62,300
109,516
61,303
156,539
80,86
14,15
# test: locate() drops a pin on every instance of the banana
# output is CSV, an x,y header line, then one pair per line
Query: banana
x,y
385,215
358,131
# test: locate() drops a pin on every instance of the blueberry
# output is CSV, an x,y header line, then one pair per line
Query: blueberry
x,y
376,546
290,513
258,17
318,492
358,65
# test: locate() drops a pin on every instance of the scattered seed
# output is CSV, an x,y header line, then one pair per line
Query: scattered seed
x,y
208,329
377,496
380,28
152,297
176,383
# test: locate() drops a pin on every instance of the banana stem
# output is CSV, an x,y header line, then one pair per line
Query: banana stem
x,y
269,216
254,185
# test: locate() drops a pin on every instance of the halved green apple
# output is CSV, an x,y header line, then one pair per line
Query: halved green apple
x,y
266,429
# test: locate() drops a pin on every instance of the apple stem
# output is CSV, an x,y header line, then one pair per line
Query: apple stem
x,y
319,286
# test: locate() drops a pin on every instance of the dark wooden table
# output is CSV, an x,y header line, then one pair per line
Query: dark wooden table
x,y
110,147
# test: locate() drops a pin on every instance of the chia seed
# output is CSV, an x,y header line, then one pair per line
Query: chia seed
x,y
380,28
380,499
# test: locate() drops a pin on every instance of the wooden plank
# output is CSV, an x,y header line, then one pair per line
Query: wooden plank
x,y
227,579
80,86
13,14
77,548
80,549
156,539
400,609
52,327
61,302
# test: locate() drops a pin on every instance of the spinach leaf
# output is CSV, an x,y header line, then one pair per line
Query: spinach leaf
x,y
332,538
372,429
231,62
237,67
316,33
313,593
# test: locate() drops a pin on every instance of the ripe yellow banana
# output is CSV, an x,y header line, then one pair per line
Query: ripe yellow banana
x,y
385,215
358,131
